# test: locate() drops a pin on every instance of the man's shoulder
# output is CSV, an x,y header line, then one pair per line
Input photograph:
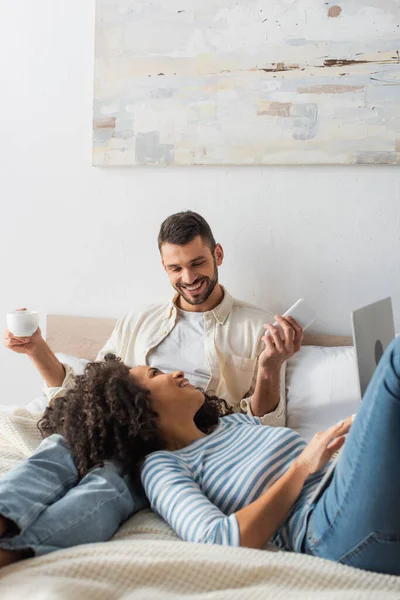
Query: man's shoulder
x,y
148,310
248,311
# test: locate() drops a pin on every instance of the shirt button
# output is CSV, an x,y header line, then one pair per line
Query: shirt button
x,y
164,332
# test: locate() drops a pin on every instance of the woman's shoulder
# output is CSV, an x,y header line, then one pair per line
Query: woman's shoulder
x,y
161,461
239,419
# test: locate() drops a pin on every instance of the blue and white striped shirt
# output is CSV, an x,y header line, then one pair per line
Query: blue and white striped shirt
x,y
198,489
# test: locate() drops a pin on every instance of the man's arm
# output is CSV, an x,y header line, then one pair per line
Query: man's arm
x,y
267,391
51,369
48,365
277,351
40,353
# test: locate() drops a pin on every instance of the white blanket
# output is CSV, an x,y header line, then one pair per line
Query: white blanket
x,y
145,560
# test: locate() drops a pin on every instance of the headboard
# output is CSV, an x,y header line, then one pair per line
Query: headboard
x,y
85,336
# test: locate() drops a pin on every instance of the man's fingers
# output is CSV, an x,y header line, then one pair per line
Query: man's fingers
x,y
10,339
274,333
298,328
288,333
269,342
298,338
12,343
286,326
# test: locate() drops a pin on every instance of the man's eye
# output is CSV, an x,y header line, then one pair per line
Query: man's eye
x,y
176,270
198,264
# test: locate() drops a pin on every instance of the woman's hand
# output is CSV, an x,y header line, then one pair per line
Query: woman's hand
x,y
323,446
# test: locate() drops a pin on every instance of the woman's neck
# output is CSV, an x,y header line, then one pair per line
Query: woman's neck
x,y
179,435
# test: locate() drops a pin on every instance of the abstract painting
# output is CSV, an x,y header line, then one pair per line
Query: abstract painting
x,y
247,82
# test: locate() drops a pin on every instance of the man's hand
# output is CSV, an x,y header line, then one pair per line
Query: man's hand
x,y
23,345
280,344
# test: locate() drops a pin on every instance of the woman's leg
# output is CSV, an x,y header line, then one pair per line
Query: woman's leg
x,y
37,482
90,512
357,519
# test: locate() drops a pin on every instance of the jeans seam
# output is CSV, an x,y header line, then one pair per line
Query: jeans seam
x,y
82,516
376,536
356,550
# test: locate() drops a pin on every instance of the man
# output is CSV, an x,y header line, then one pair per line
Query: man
x,y
220,343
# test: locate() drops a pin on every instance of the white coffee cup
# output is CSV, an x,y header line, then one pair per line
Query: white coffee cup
x,y
23,323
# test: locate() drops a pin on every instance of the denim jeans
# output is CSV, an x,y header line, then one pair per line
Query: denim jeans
x,y
54,509
357,519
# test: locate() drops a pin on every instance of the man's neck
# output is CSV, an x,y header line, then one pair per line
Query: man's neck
x,y
212,301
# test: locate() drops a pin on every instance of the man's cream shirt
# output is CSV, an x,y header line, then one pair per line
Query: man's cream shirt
x,y
232,342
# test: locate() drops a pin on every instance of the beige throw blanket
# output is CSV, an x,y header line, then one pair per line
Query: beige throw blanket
x,y
146,561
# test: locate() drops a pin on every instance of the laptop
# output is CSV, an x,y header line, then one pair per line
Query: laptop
x,y
373,330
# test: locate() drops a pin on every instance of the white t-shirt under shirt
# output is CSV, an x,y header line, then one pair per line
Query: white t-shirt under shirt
x,y
185,341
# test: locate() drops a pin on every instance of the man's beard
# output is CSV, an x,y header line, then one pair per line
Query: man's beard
x,y
210,285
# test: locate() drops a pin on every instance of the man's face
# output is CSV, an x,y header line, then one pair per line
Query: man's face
x,y
192,269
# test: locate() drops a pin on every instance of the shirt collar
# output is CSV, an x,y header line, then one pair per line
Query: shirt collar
x,y
221,312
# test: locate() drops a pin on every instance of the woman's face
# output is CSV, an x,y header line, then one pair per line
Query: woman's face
x,y
169,392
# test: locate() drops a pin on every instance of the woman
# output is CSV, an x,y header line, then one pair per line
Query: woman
x,y
246,484
224,478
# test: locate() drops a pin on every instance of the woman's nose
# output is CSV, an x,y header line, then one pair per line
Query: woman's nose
x,y
178,374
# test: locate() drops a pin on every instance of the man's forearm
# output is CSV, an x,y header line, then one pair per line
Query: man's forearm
x,y
267,392
48,365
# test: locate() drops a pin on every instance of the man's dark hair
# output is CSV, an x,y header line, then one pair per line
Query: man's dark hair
x,y
181,228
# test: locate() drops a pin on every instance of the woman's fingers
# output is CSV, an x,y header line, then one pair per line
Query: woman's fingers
x,y
340,428
336,444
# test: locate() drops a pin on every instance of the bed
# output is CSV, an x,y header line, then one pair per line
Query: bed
x,y
145,559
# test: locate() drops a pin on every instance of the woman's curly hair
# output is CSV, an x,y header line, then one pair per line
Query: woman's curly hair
x,y
107,416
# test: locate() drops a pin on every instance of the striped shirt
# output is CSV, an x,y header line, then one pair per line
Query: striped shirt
x,y
198,489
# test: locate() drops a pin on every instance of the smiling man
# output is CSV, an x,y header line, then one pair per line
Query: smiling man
x,y
217,341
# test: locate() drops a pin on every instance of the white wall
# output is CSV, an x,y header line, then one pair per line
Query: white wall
x,y
80,240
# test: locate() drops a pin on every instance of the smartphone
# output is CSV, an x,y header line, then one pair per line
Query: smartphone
x,y
303,313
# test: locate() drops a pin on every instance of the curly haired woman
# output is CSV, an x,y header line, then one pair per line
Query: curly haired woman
x,y
217,477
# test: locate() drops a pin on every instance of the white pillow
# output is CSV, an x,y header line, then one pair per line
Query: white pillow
x,y
322,387
78,364
39,404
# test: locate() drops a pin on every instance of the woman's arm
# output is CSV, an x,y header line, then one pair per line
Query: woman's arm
x,y
178,500
262,518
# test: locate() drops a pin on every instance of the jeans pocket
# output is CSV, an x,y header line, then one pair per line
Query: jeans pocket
x,y
376,552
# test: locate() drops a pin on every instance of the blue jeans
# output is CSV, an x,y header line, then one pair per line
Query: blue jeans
x,y
53,509
357,519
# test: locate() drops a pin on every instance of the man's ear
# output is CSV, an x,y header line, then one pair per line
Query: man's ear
x,y
219,254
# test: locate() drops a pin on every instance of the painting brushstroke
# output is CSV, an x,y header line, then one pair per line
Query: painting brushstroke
x,y
252,82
